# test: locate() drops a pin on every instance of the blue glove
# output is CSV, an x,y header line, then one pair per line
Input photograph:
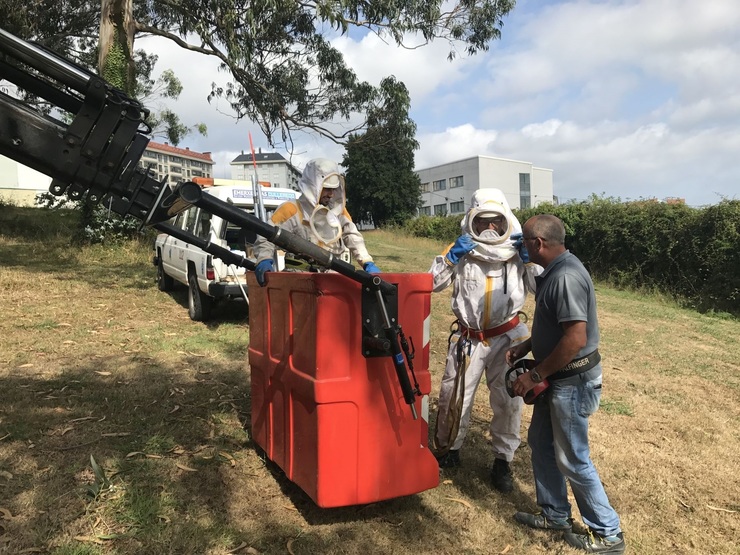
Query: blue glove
x,y
518,239
462,246
371,268
262,267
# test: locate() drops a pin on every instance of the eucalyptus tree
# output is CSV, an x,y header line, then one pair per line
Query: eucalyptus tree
x,y
285,73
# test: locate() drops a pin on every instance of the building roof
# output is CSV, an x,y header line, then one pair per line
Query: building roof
x,y
479,157
259,157
205,156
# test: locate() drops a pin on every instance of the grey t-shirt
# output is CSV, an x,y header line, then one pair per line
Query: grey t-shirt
x,y
565,293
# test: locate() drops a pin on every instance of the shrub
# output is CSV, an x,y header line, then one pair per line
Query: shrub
x,y
97,223
689,253
444,228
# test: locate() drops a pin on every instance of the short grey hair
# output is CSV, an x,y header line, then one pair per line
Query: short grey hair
x,y
548,227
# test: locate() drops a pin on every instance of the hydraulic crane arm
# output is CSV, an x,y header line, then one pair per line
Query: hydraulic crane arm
x,y
95,157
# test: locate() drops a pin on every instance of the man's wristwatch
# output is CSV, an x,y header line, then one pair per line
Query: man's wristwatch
x,y
535,375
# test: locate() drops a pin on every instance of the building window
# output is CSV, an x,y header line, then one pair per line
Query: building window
x,y
440,209
525,193
425,210
456,182
424,187
457,207
440,185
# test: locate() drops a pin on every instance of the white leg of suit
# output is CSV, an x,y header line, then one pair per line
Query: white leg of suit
x,y
507,412
475,367
489,357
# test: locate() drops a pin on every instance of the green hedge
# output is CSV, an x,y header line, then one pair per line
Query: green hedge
x,y
692,254
444,228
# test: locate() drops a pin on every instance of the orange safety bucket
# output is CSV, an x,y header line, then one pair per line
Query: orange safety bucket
x,y
335,421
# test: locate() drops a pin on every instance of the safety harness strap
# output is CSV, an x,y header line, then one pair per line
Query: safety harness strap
x,y
455,408
480,335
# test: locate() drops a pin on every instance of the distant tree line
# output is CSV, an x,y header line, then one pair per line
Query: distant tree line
x,y
691,254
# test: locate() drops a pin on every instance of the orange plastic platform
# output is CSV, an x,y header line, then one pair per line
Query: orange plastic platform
x,y
335,421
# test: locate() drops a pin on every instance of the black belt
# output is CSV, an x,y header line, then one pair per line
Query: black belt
x,y
577,366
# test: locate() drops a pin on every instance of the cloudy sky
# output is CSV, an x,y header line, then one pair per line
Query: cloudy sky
x,y
629,99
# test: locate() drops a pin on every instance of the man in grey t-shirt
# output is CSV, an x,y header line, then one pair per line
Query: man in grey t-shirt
x,y
565,339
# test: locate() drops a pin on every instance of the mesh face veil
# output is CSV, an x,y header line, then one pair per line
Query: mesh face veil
x,y
321,180
487,235
490,203
325,225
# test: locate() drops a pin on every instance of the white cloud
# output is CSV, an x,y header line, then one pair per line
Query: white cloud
x,y
423,67
453,144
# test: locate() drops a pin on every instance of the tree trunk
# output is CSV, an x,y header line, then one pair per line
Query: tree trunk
x,y
115,56
115,65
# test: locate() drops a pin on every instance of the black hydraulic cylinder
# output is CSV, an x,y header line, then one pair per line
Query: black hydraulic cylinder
x,y
191,193
229,257
47,62
401,371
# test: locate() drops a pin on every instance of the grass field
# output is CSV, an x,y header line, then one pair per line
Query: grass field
x,y
96,362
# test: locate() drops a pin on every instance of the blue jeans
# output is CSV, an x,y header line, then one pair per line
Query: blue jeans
x,y
558,437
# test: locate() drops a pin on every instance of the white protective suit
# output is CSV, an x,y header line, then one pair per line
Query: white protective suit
x,y
490,285
329,227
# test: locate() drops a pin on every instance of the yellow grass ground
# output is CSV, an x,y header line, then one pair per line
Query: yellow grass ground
x,y
95,361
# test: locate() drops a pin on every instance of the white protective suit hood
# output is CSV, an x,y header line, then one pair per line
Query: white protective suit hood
x,y
323,220
491,247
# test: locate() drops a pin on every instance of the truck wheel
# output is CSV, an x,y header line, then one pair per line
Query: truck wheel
x,y
164,282
199,304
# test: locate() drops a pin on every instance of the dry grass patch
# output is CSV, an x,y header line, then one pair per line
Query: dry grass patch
x,y
95,361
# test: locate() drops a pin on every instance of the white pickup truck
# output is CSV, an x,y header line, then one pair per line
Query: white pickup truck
x,y
208,279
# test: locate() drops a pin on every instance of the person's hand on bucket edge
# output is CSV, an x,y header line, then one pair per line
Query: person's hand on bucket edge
x,y
371,268
262,268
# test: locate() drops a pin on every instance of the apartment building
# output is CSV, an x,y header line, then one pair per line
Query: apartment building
x,y
177,164
272,169
446,189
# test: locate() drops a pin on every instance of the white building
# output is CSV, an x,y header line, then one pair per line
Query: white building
x,y
447,189
20,184
272,169
180,164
